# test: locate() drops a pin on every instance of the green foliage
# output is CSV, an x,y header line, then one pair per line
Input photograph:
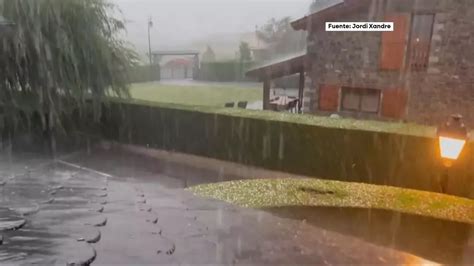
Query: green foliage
x,y
244,52
60,53
209,55
274,30
223,71
145,73
281,37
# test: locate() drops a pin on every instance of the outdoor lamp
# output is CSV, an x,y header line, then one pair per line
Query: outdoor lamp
x,y
452,138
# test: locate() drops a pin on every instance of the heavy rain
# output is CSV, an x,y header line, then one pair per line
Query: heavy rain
x,y
236,132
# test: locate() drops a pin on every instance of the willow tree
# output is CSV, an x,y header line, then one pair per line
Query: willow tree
x,y
61,54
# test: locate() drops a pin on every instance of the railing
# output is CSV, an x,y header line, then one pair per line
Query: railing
x,y
419,56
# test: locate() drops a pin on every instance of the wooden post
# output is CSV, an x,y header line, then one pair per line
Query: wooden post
x,y
196,67
301,92
266,94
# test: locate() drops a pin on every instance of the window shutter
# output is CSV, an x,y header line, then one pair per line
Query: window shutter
x,y
394,103
328,97
393,47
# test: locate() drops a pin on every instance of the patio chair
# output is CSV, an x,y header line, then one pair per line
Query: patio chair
x,y
229,105
293,106
242,105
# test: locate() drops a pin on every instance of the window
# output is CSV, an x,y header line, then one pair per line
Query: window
x,y
421,32
360,100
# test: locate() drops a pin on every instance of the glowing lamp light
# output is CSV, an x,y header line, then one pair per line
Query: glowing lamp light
x,y
452,139
451,148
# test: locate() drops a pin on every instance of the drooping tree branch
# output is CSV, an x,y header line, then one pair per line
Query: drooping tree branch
x,y
61,50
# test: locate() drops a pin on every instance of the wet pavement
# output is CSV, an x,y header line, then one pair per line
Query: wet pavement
x,y
107,207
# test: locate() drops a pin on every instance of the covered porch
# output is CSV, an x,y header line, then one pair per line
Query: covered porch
x,y
296,64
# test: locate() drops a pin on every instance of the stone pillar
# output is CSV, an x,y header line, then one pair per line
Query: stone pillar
x,y
266,93
308,96
301,85
196,67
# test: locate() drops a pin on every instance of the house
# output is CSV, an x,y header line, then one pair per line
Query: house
x,y
423,71
181,64
178,68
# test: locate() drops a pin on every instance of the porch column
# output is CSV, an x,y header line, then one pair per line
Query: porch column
x,y
196,67
301,91
266,94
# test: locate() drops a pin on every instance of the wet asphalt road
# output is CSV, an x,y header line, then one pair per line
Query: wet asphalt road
x,y
110,208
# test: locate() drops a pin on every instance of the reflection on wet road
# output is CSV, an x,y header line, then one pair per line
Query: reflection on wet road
x,y
113,208
438,240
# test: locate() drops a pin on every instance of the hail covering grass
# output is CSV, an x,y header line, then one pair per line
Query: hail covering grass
x,y
263,193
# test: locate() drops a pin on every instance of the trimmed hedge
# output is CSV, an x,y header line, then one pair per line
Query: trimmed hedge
x,y
223,71
338,149
146,73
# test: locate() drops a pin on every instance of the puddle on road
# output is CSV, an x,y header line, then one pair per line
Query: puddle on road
x,y
437,240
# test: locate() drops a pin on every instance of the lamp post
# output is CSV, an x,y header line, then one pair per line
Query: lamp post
x,y
150,25
452,138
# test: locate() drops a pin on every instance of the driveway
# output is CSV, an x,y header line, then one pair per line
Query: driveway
x,y
110,207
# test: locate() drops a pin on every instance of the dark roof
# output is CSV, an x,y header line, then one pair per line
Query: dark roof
x,y
319,5
280,68
330,13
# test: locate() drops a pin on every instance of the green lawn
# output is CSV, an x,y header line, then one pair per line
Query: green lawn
x,y
268,193
212,98
211,95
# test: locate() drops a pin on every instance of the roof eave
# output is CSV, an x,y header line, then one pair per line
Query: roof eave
x,y
340,9
280,69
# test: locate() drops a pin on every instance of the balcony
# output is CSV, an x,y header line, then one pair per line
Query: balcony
x,y
419,56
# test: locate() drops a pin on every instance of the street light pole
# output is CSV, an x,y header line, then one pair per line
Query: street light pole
x,y
150,25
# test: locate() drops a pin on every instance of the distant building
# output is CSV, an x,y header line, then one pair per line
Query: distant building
x,y
182,64
423,71
179,68
259,49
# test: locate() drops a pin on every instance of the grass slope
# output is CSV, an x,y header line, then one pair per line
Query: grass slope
x,y
205,95
211,99
213,105
263,193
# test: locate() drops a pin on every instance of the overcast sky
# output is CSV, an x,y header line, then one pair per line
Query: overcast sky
x,y
178,22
